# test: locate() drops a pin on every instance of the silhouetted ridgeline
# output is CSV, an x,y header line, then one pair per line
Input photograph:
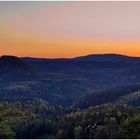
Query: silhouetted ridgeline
x,y
63,81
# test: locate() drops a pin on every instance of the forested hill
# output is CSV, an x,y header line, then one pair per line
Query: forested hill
x,y
39,119
108,58
63,81
28,118
105,96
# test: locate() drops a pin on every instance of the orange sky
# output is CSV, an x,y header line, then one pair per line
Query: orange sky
x,y
69,29
64,47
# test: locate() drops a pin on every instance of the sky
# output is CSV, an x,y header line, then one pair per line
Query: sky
x,y
68,29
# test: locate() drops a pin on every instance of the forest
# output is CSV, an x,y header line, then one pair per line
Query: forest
x,y
70,98
37,118
69,69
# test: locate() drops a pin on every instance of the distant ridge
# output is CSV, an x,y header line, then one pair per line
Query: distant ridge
x,y
10,59
62,81
12,63
90,57
93,57
108,58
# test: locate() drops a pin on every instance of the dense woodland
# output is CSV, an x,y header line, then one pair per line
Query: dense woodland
x,y
63,81
39,119
85,97
107,95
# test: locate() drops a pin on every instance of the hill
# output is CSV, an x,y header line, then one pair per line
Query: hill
x,y
11,63
35,118
106,96
62,81
109,117
108,58
27,118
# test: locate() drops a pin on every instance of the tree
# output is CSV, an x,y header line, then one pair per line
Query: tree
x,y
102,132
6,133
131,127
78,132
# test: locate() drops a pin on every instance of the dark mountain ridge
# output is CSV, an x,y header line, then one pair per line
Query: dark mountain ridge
x,y
108,58
13,69
84,63
9,63
33,90
92,57
62,81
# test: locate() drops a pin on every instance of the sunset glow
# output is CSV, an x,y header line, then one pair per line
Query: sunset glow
x,y
69,29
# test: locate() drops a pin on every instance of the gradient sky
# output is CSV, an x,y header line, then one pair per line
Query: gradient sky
x,y
69,29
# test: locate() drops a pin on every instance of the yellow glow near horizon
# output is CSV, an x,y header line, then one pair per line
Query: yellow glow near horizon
x,y
69,29
60,47
22,44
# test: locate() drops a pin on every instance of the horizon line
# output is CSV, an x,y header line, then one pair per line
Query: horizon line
x,y
70,57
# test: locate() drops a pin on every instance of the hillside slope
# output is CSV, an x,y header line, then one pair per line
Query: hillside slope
x,y
62,81
106,96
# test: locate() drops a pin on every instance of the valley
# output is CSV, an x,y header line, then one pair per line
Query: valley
x,y
65,98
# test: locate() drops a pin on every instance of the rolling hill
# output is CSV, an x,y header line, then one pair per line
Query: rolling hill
x,y
63,81
106,96
108,58
100,98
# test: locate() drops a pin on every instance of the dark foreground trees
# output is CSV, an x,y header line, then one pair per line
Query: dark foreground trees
x,y
131,127
39,119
